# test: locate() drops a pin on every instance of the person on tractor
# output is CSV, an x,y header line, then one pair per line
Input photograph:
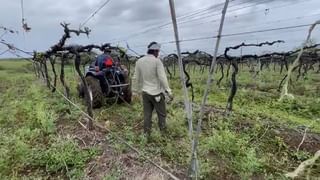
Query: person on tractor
x,y
104,60
103,64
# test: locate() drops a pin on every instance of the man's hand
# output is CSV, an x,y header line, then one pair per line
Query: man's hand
x,y
169,96
136,97
135,93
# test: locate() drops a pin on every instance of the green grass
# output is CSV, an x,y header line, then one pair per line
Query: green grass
x,y
30,146
254,151
243,145
235,150
303,110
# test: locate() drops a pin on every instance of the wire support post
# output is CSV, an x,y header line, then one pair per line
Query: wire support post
x,y
284,92
188,105
194,164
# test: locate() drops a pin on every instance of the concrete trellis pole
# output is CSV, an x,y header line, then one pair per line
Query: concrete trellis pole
x,y
193,173
194,163
284,92
188,105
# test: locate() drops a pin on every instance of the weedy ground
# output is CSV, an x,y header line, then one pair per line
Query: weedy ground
x,y
41,137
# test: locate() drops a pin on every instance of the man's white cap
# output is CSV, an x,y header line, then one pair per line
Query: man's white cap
x,y
154,46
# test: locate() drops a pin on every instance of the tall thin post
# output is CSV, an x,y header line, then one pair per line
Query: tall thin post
x,y
284,92
194,163
187,104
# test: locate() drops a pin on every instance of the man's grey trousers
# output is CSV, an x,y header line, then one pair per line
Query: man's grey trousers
x,y
150,103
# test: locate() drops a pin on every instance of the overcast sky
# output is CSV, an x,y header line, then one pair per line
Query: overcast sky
x,y
121,19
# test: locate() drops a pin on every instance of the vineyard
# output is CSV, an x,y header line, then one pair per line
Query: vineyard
x,y
234,116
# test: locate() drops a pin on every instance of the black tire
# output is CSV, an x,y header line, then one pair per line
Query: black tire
x,y
98,97
80,89
127,93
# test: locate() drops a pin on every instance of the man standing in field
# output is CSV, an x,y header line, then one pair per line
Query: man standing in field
x,y
150,79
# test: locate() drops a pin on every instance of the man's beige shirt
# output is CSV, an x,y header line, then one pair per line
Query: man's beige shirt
x,y
150,76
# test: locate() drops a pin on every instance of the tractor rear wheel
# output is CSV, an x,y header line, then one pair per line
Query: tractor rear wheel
x,y
127,93
95,92
80,89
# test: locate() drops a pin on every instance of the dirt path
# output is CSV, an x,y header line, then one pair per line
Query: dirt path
x,y
110,163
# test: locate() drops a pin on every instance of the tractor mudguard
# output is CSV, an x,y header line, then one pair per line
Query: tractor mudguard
x,y
93,74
